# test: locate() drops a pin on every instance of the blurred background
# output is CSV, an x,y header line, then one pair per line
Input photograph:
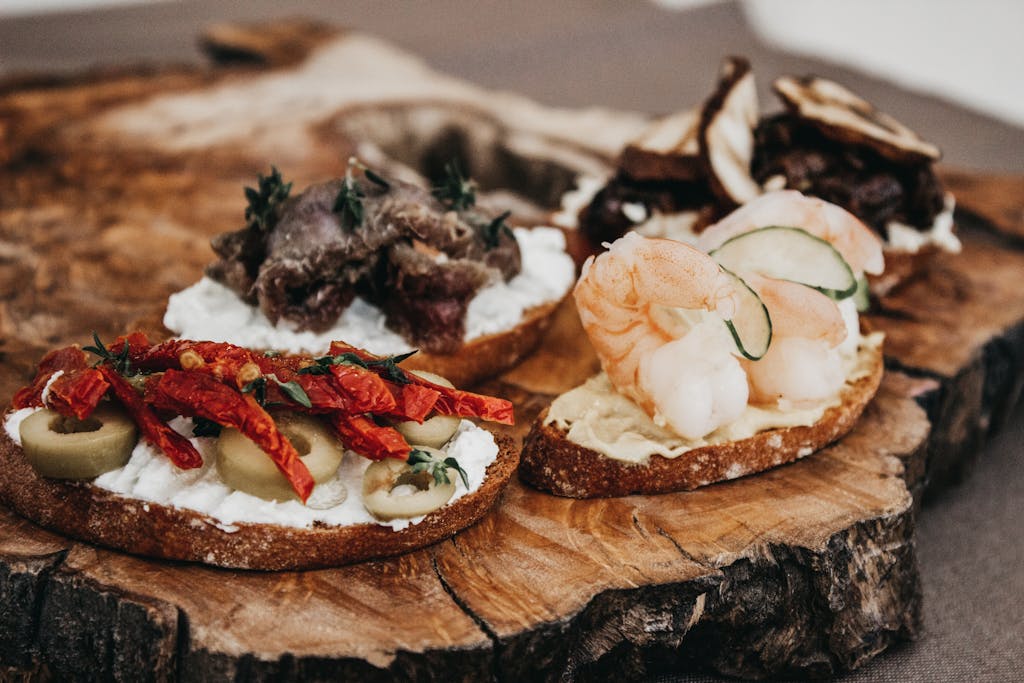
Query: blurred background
x,y
591,52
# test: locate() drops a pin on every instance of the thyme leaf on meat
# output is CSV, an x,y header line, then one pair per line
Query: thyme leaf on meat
x,y
493,231
264,200
376,179
203,427
422,461
456,190
119,360
349,202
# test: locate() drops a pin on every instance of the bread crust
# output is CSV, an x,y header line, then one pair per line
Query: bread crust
x,y
552,463
89,513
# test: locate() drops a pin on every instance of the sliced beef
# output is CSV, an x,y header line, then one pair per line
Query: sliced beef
x,y
397,245
872,187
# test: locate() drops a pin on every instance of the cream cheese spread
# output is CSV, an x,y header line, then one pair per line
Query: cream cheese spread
x,y
908,239
599,418
150,477
210,311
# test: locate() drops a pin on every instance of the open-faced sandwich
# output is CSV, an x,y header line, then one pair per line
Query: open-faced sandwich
x,y
715,365
690,169
389,266
211,452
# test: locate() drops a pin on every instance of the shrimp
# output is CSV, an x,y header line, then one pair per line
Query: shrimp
x,y
857,244
804,362
685,377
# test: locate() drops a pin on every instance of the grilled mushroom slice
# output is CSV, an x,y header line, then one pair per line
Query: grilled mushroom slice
x,y
843,116
726,133
666,150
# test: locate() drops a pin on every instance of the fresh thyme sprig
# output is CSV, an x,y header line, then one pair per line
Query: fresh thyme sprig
x,y
456,191
203,427
119,360
349,202
422,461
493,231
263,201
292,389
321,366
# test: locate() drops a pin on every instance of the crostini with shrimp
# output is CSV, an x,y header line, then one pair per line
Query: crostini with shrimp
x,y
716,363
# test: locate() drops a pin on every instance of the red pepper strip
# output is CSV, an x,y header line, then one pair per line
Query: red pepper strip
x,y
364,436
78,392
67,359
414,401
451,401
157,432
203,396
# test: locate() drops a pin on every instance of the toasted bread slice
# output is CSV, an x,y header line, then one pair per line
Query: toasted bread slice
x,y
89,513
553,463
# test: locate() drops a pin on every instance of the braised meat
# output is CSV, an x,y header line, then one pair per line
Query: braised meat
x,y
856,177
416,256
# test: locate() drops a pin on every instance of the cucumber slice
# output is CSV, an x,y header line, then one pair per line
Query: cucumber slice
x,y
793,254
751,327
862,297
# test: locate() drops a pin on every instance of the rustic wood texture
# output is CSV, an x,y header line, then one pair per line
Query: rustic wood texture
x,y
110,188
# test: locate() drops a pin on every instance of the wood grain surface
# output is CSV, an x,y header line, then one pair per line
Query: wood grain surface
x,y
112,186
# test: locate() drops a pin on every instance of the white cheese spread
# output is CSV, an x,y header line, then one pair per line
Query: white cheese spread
x,y
909,239
576,199
210,311
149,476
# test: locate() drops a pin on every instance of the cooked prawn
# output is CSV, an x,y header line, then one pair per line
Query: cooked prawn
x,y
859,246
804,362
686,378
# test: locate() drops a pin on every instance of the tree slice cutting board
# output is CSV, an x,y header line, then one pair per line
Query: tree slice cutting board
x,y
111,185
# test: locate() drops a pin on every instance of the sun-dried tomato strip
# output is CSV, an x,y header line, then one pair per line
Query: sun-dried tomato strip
x,y
467,404
200,395
77,392
451,401
156,431
367,438
414,401
367,392
65,360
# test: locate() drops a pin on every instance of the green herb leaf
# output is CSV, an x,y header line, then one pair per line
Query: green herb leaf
x,y
261,212
349,202
120,361
204,427
492,231
391,369
376,179
258,389
453,463
455,190
294,391
422,461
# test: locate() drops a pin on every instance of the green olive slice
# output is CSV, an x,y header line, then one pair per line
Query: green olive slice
x,y
434,431
245,467
62,447
391,490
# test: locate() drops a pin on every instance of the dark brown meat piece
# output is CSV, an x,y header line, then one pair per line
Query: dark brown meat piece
x,y
407,253
603,220
857,178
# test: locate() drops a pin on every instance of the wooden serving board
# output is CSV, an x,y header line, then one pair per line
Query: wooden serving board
x,y
111,185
